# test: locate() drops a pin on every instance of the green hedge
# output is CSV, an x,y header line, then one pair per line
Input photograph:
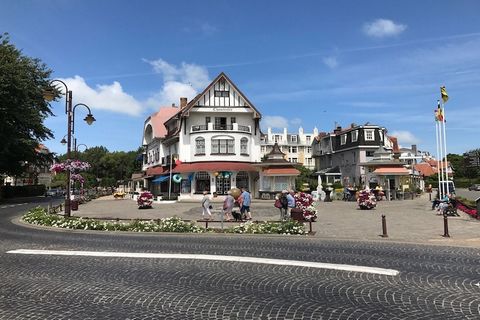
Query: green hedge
x,y
22,191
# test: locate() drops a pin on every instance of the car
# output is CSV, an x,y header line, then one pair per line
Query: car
x,y
474,187
52,193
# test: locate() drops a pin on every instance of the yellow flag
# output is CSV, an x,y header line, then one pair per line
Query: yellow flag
x,y
444,94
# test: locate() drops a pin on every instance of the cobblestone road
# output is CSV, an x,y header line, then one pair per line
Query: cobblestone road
x,y
435,282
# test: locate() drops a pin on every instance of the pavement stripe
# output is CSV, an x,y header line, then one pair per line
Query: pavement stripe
x,y
320,265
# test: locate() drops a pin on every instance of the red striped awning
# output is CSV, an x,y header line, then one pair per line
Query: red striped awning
x,y
281,172
391,171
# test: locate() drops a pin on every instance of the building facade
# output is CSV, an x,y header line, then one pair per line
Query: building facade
x,y
207,144
296,146
338,154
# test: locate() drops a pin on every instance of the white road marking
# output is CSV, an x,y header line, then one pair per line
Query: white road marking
x,y
320,265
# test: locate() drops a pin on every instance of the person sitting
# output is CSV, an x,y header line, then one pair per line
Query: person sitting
x,y
443,205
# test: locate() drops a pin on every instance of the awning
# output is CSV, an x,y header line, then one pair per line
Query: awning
x,y
281,172
155,171
213,166
160,179
391,171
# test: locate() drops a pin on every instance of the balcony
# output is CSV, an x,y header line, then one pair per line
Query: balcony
x,y
221,127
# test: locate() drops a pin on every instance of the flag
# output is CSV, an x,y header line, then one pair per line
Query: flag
x,y
440,116
439,113
444,94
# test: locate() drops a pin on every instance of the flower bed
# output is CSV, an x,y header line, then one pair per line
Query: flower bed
x,y
287,227
39,216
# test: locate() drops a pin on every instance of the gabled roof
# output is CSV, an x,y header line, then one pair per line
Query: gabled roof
x,y
222,75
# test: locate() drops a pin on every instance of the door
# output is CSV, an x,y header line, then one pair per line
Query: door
x,y
222,184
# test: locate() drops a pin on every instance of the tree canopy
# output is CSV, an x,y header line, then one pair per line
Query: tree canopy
x,y
22,108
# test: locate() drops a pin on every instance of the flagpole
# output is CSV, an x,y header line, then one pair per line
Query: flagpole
x,y
170,181
439,169
445,146
438,157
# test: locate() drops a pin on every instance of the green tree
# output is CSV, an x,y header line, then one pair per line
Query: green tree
x,y
306,176
22,108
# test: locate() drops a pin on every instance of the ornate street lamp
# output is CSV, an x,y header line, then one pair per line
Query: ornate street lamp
x,y
50,94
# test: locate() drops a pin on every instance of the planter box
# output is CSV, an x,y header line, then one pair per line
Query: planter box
x,y
297,214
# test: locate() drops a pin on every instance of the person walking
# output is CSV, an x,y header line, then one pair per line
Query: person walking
x,y
206,206
245,208
290,203
228,206
282,204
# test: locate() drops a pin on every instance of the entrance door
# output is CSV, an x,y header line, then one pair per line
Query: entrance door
x,y
222,184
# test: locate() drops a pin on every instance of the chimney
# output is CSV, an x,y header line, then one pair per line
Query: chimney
x,y
414,149
173,105
338,129
183,103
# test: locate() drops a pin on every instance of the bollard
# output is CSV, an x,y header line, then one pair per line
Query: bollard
x,y
384,227
445,226
310,224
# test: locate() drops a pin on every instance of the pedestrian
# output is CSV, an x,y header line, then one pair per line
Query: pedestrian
x,y
245,208
206,206
228,206
290,202
281,203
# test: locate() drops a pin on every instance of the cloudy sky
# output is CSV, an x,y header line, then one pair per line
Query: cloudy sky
x,y
301,63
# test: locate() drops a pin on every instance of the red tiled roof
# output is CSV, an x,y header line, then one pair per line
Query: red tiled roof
x,y
393,171
425,169
213,166
281,172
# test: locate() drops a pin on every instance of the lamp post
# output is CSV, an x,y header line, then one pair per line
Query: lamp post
x,y
49,95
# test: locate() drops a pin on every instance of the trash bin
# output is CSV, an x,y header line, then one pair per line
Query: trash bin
x,y
74,205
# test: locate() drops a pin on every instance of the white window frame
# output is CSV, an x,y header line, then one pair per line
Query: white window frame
x,y
293,138
293,149
243,146
343,139
354,136
198,145
308,139
369,135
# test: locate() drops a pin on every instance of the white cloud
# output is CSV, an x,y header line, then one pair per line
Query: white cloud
x,y
381,28
184,80
405,137
208,29
277,122
296,121
330,62
105,96
171,92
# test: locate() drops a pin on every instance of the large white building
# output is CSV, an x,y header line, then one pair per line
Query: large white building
x,y
296,146
207,144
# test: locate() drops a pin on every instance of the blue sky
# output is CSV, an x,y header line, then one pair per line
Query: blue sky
x,y
301,63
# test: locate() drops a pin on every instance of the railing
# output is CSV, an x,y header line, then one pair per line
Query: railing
x,y
199,127
223,127
220,127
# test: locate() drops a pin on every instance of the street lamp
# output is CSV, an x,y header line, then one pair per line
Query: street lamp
x,y
49,95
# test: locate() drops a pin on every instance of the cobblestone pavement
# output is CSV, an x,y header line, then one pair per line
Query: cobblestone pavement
x,y
407,220
435,282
